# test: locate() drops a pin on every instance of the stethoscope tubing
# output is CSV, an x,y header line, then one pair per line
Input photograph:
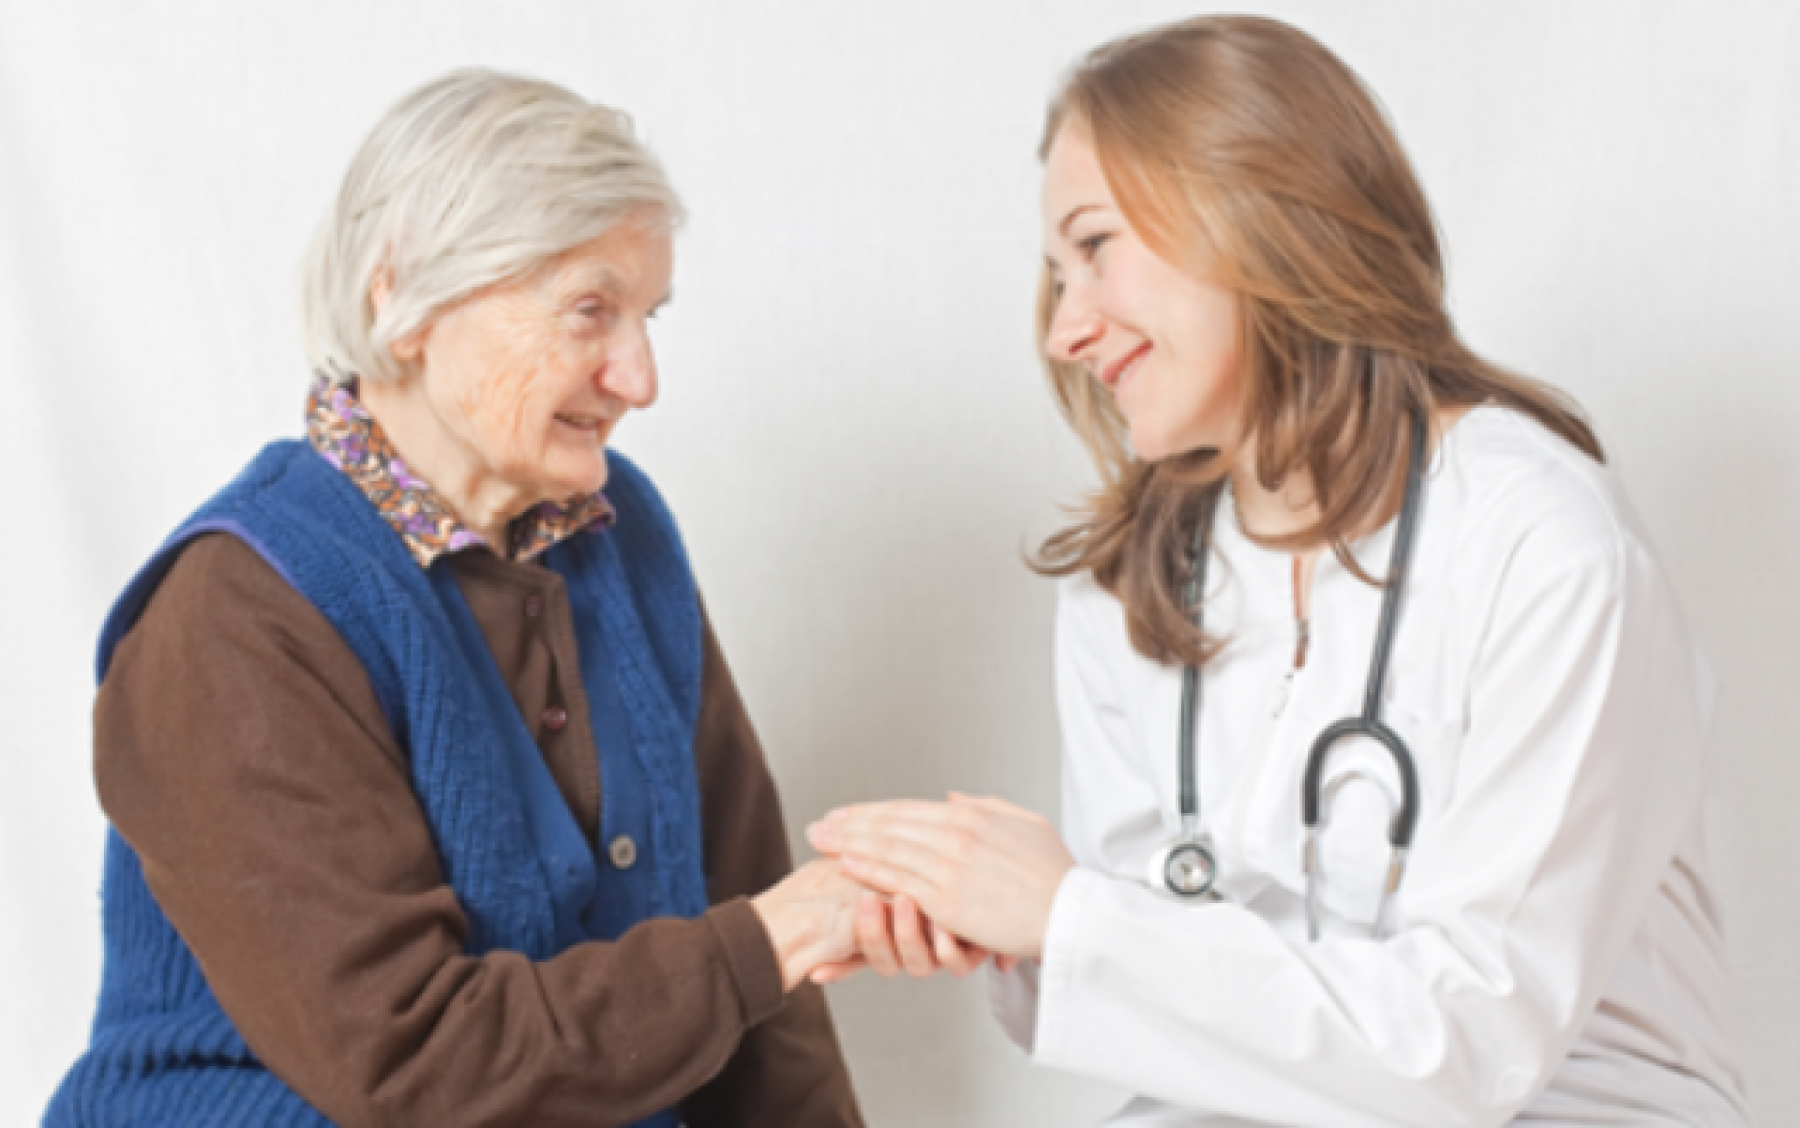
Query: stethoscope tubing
x,y
1367,724
1189,799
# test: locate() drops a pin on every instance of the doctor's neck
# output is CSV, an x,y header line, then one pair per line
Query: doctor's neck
x,y
1290,508
1265,512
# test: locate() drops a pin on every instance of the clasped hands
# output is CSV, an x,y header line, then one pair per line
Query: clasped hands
x,y
917,887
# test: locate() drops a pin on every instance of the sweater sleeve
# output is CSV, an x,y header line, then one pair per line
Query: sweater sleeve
x,y
789,1069
240,750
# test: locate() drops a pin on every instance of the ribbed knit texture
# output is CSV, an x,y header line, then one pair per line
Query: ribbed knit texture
x,y
162,1050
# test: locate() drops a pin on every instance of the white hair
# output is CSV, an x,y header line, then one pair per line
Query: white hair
x,y
472,179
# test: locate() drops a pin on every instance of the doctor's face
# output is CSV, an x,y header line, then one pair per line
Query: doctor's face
x,y
1164,342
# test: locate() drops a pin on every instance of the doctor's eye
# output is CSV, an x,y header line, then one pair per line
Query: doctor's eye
x,y
1091,245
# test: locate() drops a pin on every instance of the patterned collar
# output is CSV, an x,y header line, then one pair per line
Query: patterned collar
x,y
348,437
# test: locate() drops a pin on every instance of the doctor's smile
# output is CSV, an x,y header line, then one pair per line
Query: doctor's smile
x,y
1116,373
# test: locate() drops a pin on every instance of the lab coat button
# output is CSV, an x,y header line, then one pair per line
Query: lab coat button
x,y
623,852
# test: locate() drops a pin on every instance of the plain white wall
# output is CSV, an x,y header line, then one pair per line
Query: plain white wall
x,y
853,431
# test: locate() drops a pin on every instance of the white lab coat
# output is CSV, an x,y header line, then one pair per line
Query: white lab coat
x,y
1556,958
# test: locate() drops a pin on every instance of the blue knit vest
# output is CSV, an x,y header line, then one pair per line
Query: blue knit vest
x,y
162,1051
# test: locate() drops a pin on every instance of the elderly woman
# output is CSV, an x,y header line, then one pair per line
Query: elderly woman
x,y
433,801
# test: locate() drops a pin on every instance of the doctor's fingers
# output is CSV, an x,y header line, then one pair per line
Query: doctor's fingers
x,y
914,808
883,876
993,907
917,954
985,817
960,834
993,804
874,937
940,857
957,956
867,816
893,937
896,935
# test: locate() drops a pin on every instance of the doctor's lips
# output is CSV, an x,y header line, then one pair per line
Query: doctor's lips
x,y
1110,374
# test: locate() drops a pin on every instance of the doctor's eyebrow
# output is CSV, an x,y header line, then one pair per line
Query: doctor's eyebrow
x,y
1062,227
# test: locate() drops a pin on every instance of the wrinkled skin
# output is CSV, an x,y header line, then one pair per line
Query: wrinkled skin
x,y
508,398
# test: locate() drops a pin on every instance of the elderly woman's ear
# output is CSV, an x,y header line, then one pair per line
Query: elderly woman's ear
x,y
381,288
405,349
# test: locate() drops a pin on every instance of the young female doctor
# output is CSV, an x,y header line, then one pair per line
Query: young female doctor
x,y
1383,730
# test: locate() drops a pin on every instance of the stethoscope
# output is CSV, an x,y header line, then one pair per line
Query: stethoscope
x,y
1187,865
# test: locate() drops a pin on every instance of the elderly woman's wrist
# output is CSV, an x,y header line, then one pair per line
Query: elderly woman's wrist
x,y
751,957
779,927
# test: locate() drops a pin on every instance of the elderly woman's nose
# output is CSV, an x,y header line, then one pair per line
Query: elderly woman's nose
x,y
630,373
1075,327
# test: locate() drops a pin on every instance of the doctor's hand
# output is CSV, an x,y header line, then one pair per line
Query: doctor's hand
x,y
893,937
980,867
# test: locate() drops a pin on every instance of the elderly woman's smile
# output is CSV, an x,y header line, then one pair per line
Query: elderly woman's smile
x,y
508,398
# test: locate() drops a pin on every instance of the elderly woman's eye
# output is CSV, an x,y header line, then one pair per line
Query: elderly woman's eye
x,y
592,316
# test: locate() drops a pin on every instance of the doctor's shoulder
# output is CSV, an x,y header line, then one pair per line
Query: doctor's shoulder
x,y
1515,492
1535,524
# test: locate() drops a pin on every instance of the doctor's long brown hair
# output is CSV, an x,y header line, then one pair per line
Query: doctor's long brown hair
x,y
1244,144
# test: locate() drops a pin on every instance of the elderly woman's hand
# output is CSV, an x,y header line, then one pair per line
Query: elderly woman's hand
x,y
981,868
810,916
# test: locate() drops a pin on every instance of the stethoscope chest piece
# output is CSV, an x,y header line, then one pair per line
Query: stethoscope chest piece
x,y
1186,868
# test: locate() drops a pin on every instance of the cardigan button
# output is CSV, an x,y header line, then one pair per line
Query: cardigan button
x,y
534,606
623,852
555,717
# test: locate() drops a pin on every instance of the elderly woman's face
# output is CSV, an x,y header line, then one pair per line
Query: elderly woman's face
x,y
530,376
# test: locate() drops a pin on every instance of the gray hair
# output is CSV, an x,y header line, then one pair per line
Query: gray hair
x,y
472,179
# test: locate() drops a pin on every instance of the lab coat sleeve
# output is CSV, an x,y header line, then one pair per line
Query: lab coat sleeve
x,y
1106,800
1577,778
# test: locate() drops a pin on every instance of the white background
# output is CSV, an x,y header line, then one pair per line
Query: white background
x,y
853,430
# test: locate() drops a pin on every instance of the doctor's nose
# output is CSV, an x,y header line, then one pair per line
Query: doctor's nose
x,y
1075,327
